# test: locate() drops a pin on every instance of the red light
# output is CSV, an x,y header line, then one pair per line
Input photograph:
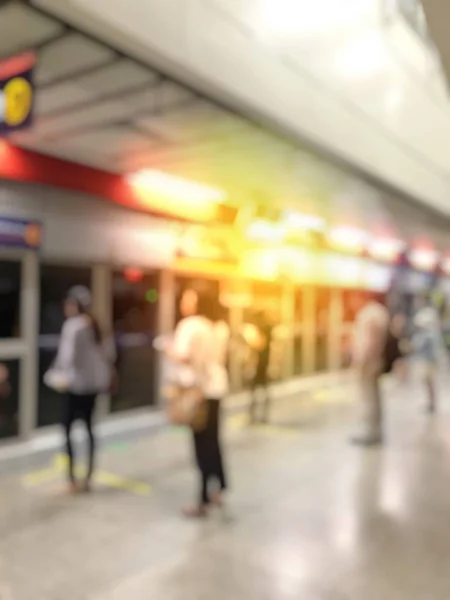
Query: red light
x,y
4,148
133,274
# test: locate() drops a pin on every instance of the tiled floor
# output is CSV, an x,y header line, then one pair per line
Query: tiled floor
x,y
310,517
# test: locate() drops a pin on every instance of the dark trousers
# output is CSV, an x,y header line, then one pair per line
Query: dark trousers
x,y
208,453
80,406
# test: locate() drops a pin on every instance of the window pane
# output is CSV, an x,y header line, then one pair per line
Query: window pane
x,y
135,302
56,281
9,401
10,278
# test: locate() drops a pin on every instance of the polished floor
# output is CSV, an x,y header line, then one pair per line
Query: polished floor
x,y
310,517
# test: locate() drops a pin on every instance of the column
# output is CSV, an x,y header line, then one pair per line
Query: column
x,y
29,320
288,320
102,310
166,320
335,326
309,330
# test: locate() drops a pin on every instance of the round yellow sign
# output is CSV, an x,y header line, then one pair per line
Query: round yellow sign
x,y
18,101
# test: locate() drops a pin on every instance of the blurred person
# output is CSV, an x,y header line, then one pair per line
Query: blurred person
x,y
428,345
201,341
369,342
83,370
259,338
397,346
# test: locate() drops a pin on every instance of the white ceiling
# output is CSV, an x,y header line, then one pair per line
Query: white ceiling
x,y
101,108
349,75
98,107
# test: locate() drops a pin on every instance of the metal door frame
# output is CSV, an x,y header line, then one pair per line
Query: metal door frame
x,y
24,348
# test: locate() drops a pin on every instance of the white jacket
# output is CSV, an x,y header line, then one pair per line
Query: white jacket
x,y
81,359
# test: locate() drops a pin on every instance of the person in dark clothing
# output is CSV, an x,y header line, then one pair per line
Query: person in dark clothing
x,y
80,406
260,381
209,457
83,370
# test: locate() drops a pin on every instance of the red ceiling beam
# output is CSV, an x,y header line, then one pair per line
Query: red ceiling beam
x,y
17,164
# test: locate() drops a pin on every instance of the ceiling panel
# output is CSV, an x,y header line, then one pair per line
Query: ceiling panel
x,y
118,139
94,116
120,76
22,28
61,97
68,56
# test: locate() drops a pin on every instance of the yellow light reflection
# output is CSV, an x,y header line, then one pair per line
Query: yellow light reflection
x,y
265,231
170,194
303,221
350,239
261,264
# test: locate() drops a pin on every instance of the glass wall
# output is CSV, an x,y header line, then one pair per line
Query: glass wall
x,y
10,283
135,298
56,281
9,400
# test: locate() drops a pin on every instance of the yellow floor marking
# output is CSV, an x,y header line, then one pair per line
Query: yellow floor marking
x,y
237,421
331,394
40,477
59,466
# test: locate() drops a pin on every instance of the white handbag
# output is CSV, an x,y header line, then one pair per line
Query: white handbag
x,y
56,380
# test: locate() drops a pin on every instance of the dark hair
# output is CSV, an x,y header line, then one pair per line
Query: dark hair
x,y
95,325
208,304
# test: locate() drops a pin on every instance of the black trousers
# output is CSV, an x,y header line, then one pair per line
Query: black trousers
x,y
80,406
208,453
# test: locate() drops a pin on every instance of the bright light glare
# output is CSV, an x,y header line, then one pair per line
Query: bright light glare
x,y
263,264
364,57
424,259
265,231
394,99
175,188
296,220
386,249
349,238
279,20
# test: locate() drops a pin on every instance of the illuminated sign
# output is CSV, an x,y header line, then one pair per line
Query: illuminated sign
x,y
16,92
20,233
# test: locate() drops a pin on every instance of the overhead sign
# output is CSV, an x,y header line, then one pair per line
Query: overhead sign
x,y
16,92
20,233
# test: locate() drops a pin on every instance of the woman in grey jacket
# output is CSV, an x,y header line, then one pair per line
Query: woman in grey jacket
x,y
85,367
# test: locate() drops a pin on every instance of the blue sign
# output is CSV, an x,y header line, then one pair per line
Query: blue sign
x,y
20,233
16,92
